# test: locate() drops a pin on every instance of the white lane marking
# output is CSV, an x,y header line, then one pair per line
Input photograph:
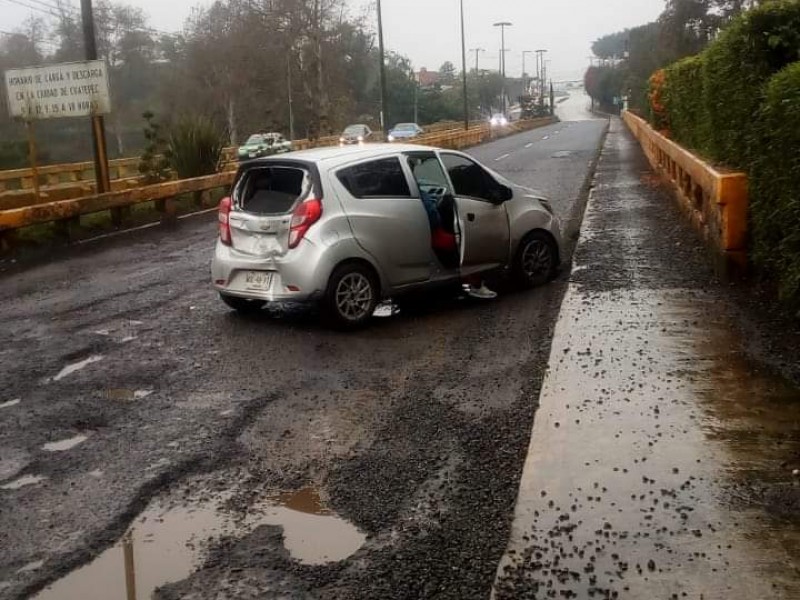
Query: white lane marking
x,y
10,403
547,137
529,145
499,158
70,369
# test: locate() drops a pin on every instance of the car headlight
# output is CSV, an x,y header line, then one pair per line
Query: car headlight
x,y
361,138
391,137
341,140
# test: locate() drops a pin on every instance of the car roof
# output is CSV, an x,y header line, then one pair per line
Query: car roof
x,y
333,156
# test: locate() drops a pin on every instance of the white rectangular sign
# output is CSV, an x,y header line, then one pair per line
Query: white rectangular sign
x,y
78,89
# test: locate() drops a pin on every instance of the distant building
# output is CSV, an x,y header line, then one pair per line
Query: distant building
x,y
427,78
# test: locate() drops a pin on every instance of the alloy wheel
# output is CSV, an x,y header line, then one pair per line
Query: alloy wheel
x,y
354,296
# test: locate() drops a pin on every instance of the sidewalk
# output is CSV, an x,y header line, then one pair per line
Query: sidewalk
x,y
661,459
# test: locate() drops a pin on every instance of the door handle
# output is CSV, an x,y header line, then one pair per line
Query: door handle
x,y
470,216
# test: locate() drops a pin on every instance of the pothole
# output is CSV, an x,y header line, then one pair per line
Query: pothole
x,y
70,369
64,445
166,544
22,482
127,395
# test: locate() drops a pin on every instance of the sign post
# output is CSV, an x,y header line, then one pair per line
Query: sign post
x,y
98,123
32,158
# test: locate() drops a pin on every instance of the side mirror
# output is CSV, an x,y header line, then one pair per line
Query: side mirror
x,y
502,193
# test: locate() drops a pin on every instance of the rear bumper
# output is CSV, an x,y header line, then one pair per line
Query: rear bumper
x,y
293,276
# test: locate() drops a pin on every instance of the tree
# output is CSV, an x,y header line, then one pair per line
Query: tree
x,y
447,74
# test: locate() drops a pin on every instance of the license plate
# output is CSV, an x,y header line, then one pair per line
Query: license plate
x,y
258,280
252,155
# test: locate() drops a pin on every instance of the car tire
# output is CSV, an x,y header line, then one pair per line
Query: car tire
x,y
351,296
242,305
536,261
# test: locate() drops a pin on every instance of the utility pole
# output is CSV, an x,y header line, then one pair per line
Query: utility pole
x,y
540,74
502,25
525,53
464,68
384,97
416,99
101,175
477,52
291,101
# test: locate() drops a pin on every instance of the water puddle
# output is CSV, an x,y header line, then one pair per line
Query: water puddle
x,y
10,403
23,482
64,445
166,545
313,534
70,369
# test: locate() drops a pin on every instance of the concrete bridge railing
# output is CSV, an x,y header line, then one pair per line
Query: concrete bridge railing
x,y
715,199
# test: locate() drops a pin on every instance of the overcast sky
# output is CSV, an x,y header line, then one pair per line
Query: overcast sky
x,y
428,31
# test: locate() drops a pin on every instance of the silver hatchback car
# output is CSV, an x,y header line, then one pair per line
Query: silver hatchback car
x,y
348,227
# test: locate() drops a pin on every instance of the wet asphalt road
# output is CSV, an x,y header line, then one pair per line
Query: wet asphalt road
x,y
414,431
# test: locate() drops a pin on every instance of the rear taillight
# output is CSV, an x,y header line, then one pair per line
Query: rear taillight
x,y
305,215
224,221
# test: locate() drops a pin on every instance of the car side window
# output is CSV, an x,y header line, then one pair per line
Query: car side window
x,y
382,178
428,171
469,178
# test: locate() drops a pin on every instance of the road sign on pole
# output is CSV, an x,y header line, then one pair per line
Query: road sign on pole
x,y
78,89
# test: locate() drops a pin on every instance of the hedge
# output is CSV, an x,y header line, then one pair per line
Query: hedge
x,y
683,97
735,68
775,181
738,104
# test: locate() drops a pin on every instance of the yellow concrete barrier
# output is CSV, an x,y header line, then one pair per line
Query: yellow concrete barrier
x,y
21,208
715,199
67,209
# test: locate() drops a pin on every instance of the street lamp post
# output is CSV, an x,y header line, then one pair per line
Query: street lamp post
x,y
502,25
464,68
384,100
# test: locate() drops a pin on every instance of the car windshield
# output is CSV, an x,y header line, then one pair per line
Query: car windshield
x,y
355,130
405,127
255,139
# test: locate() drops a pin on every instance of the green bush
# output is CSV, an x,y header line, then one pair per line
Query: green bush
x,y
735,68
775,182
683,99
194,147
153,164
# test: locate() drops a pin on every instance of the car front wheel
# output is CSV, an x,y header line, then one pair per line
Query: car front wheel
x,y
536,261
351,297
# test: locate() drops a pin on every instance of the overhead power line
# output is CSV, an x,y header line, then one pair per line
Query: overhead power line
x,y
32,7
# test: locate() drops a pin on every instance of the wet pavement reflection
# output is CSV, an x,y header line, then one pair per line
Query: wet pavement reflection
x,y
653,459
167,543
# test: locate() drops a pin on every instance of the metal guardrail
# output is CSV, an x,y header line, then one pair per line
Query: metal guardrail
x,y
82,173
715,199
18,215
